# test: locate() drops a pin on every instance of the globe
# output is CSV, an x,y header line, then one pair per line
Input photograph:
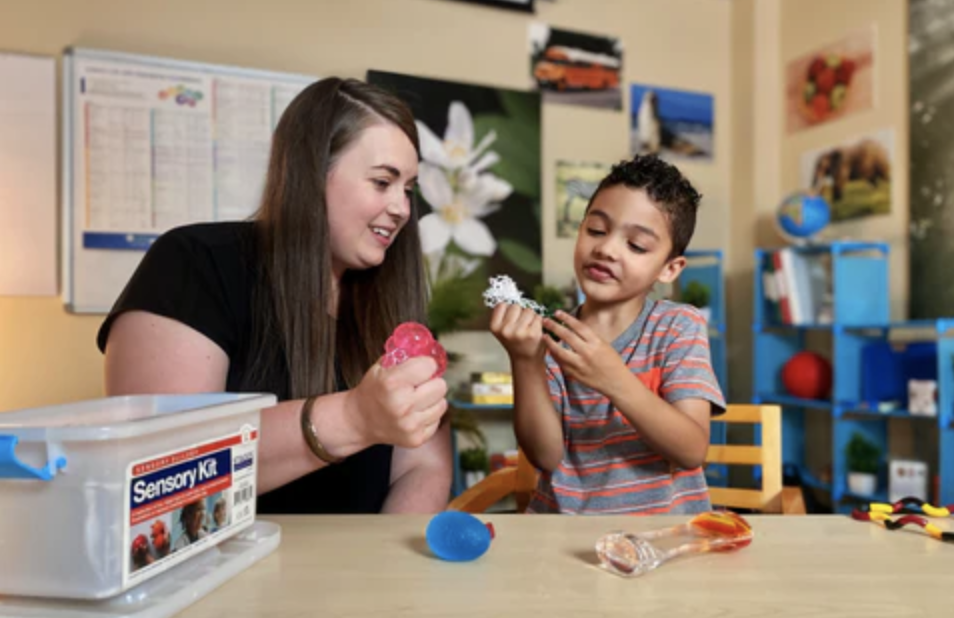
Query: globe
x,y
802,215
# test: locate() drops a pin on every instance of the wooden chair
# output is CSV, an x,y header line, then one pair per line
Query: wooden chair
x,y
520,480
772,497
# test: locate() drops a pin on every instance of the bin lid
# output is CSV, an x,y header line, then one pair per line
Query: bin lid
x,y
127,416
168,593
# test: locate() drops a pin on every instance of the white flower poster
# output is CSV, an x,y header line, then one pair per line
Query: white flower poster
x,y
479,181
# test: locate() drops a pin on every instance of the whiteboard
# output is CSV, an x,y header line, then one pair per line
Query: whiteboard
x,y
27,175
151,144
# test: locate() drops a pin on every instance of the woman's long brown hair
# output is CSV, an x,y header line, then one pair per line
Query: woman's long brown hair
x,y
296,280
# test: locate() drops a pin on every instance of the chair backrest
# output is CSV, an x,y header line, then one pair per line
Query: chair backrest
x,y
768,455
525,483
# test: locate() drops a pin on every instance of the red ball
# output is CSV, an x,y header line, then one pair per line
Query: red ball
x,y
807,375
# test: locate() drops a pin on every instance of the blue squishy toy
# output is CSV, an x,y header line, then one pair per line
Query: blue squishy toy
x,y
458,537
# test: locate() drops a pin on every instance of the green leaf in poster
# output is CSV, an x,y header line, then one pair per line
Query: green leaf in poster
x,y
456,301
521,106
520,255
518,144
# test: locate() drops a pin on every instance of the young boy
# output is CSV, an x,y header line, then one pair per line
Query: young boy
x,y
630,378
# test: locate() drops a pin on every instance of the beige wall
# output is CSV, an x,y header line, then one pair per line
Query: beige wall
x,y
766,35
48,356
736,50
786,29
807,24
745,39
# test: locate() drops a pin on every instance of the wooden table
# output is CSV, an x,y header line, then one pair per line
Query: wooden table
x,y
544,566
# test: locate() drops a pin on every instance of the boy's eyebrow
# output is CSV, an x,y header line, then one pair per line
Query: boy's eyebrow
x,y
627,226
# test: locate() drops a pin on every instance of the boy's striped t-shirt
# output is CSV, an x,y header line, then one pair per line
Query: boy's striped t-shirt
x,y
607,467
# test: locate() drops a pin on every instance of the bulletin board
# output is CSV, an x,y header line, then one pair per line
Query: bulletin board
x,y
150,144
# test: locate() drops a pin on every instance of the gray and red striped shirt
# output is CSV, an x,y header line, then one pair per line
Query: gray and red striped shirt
x,y
607,467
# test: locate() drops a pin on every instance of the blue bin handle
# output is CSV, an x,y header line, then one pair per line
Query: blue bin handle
x,y
13,468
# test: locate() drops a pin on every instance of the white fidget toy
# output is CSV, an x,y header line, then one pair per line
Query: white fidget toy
x,y
503,290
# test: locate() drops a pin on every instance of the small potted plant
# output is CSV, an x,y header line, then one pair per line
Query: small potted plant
x,y
864,457
474,464
697,295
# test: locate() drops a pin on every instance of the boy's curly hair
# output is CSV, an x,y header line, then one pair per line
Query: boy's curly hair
x,y
666,187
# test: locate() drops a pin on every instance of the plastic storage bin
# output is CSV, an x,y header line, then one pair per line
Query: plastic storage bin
x,y
99,496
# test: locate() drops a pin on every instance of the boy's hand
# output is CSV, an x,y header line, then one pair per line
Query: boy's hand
x,y
589,360
520,331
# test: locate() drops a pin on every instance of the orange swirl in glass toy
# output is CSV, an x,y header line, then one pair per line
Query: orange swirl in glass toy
x,y
630,555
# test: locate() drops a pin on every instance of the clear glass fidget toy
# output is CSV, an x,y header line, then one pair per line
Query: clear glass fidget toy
x,y
631,555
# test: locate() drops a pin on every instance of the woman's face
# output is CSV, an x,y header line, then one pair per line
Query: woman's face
x,y
368,196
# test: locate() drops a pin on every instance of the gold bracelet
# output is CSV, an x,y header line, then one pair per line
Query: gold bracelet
x,y
311,438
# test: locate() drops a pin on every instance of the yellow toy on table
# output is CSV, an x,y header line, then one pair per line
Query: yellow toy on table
x,y
911,510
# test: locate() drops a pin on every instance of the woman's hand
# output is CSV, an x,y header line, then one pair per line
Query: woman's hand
x,y
519,330
401,405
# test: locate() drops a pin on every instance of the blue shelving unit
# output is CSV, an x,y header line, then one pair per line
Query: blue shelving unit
x,y
859,301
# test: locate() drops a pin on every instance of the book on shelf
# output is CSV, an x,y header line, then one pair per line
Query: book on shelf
x,y
797,287
492,400
482,393
491,377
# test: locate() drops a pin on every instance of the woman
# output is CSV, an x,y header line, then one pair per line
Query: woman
x,y
299,302
192,520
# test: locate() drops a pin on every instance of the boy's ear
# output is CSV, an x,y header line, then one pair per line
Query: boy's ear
x,y
671,269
